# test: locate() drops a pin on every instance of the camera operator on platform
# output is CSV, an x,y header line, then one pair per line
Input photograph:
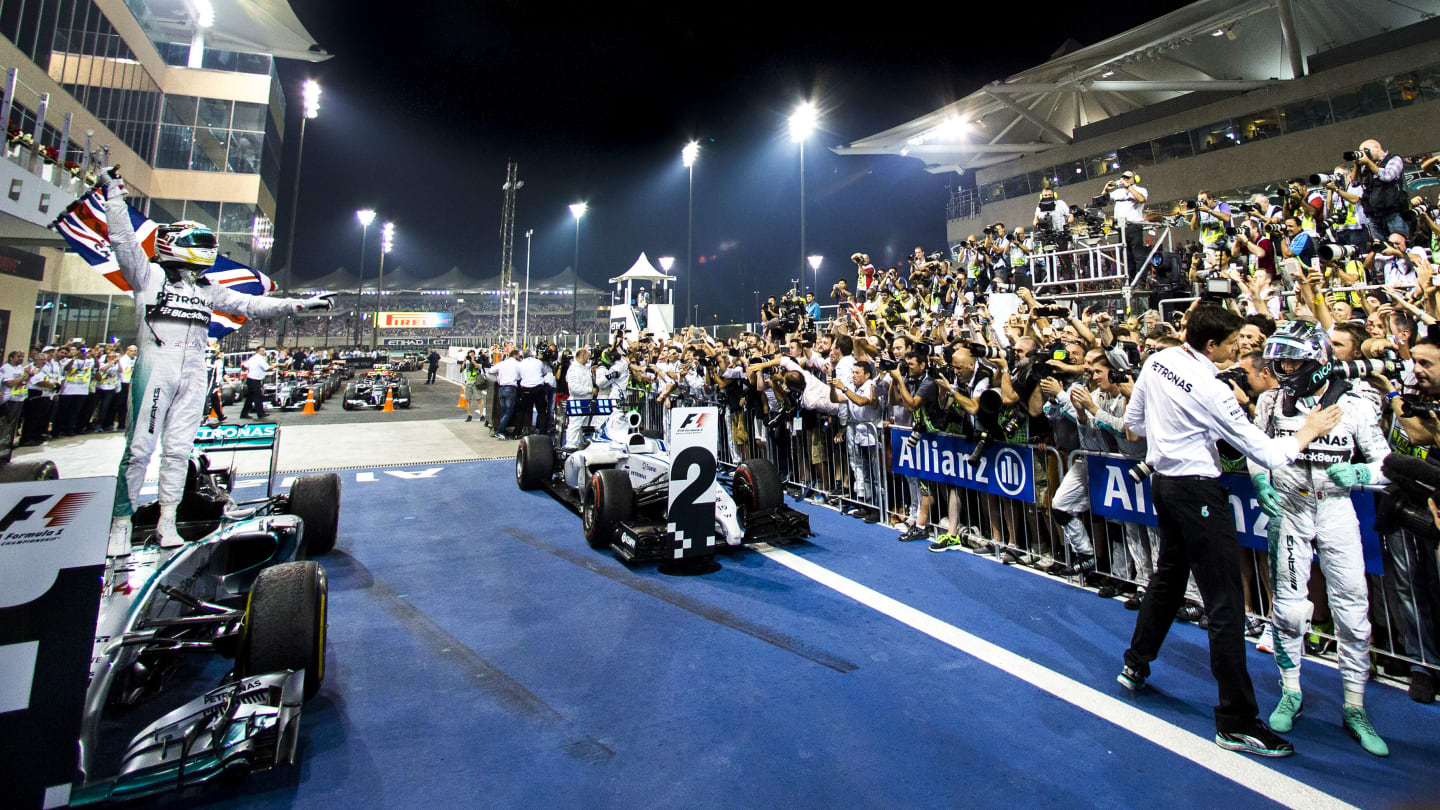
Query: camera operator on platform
x,y
1183,410
1129,197
1381,174
1053,220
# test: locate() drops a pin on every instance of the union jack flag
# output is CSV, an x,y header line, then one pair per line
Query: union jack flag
x,y
84,228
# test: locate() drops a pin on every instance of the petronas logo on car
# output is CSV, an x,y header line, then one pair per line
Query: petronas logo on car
x,y
236,434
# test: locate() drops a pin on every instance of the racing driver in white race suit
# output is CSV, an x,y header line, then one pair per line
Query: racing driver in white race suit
x,y
173,300
1310,500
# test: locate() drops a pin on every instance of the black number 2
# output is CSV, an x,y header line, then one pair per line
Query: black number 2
x,y
693,521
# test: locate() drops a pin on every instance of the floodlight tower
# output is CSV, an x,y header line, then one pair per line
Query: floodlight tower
x,y
802,123
688,156
366,216
310,91
387,241
513,184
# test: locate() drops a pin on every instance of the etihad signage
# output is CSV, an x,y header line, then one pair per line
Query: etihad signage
x,y
416,320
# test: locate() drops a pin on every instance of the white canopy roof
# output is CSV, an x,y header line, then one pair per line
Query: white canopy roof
x,y
642,270
248,26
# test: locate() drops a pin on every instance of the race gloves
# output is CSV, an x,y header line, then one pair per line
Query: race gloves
x,y
326,301
1266,494
1348,475
109,180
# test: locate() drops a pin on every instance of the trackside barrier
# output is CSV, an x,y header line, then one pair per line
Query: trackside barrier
x,y
1009,504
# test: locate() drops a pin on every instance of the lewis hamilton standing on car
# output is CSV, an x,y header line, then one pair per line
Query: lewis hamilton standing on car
x,y
173,302
1183,410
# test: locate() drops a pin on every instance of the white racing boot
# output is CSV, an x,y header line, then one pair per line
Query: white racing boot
x,y
165,530
119,537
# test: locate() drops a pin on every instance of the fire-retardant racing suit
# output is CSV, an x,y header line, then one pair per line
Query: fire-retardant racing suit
x,y
1316,515
169,381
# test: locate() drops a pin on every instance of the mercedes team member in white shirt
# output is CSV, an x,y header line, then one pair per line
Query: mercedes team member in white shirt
x,y
1183,410
506,374
256,367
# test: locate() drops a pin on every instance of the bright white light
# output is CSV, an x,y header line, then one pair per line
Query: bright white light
x,y
366,216
387,237
803,122
815,262
1219,33
1107,74
204,13
904,151
310,91
578,210
689,153
667,262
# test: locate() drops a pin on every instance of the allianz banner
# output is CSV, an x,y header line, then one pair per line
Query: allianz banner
x,y
1113,495
1007,470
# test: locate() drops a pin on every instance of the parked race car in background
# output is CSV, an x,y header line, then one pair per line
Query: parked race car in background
x,y
204,653
370,390
622,485
290,389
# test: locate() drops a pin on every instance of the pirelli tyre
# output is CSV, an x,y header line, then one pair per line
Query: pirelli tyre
x,y
611,502
229,395
285,623
352,393
534,461
315,499
16,471
402,396
755,487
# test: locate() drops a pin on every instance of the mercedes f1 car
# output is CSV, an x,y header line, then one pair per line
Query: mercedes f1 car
x,y
204,653
621,485
291,389
370,390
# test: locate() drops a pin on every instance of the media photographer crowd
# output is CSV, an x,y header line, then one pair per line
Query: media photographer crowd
x,y
1316,307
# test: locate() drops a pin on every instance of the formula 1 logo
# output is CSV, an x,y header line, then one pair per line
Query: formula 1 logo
x,y
59,515
693,423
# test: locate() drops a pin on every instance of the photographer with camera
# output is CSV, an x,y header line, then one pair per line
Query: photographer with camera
x,y
916,391
1382,175
1309,499
860,409
1209,219
1393,263
1342,207
1129,198
1183,410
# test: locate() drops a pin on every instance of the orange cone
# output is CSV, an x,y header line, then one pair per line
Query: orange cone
x,y
463,403
310,402
213,413
389,401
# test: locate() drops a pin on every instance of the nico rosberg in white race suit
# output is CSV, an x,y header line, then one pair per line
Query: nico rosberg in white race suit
x,y
169,383
1310,501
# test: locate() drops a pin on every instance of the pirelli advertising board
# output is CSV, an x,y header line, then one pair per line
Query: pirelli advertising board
x,y
416,320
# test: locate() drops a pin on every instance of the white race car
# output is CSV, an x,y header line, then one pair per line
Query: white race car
x,y
621,486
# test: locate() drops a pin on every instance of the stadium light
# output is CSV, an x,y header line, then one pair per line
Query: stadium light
x,y
578,210
667,262
387,241
689,153
387,237
688,156
366,216
310,92
802,123
204,13
815,261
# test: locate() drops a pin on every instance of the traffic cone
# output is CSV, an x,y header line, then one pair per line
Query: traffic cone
x,y
310,403
389,401
213,413
463,403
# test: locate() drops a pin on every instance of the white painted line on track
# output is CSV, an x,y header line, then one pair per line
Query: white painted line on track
x,y
1239,768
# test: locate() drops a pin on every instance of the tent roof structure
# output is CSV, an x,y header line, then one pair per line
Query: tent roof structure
x,y
641,270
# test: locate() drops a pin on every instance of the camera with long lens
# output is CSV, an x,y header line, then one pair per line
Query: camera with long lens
x,y
984,351
1051,311
1352,155
1140,472
886,364
989,230
988,415
1047,206
1355,369
1323,179
1333,252
1413,483
1413,406
1236,375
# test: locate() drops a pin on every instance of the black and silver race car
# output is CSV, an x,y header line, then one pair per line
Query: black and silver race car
x,y
370,390
204,654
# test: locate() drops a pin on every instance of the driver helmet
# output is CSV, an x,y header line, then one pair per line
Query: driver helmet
x,y
1304,341
185,243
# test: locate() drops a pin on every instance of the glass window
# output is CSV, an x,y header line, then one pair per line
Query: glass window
x,y
1101,165
1409,88
244,152
1038,180
1173,147
1259,126
209,152
237,217
991,192
257,63
1366,99
174,148
167,210
178,110
1135,157
1068,173
204,212
1017,186
249,116
214,112
1215,136
1302,115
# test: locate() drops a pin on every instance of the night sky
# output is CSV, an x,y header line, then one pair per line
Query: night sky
x,y
421,111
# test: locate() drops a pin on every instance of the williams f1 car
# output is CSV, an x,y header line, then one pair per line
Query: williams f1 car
x,y
621,484
370,390
204,654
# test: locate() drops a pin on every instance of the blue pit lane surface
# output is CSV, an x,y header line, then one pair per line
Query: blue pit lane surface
x,y
480,654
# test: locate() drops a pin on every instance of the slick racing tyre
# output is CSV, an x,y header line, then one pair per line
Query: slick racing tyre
x,y
315,499
285,623
402,396
611,502
352,392
534,461
15,471
756,486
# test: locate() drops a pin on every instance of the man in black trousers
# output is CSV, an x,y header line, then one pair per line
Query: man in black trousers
x,y
1183,410
434,361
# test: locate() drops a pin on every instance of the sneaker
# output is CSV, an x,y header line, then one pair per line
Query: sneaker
x,y
1130,679
1133,603
1082,565
1357,725
946,542
832,500
1257,740
1189,613
1266,642
1287,711
469,418
1254,627
871,516
1106,591
1422,686
915,533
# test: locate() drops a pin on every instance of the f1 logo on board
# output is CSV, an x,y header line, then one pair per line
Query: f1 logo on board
x,y
694,423
59,515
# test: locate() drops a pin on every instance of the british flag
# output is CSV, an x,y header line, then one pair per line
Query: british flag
x,y
84,228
